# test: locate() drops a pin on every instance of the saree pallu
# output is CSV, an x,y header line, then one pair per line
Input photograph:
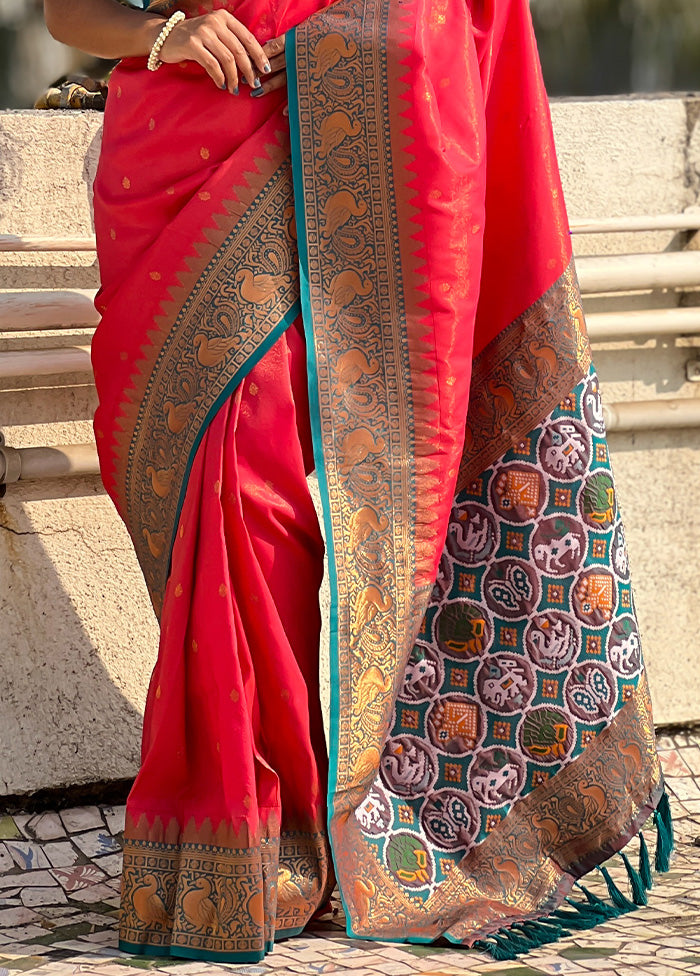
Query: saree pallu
x,y
491,737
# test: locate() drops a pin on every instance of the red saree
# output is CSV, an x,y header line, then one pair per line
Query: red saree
x,y
490,736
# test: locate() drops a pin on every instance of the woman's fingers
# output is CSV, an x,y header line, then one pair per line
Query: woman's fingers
x,y
250,42
211,65
274,82
218,37
275,47
278,63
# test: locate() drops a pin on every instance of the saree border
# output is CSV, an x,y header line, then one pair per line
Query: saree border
x,y
186,890
233,299
368,297
379,600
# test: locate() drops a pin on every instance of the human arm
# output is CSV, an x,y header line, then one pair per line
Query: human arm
x,y
224,47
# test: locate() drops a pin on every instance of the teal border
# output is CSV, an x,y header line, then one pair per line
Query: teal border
x,y
315,414
240,374
182,952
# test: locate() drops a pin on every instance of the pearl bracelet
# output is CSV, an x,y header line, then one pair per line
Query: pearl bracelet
x,y
154,61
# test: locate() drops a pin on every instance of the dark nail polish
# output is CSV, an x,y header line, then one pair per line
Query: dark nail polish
x,y
235,90
257,83
267,69
257,93
224,87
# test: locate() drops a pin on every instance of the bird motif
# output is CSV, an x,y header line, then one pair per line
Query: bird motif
x,y
155,542
335,128
351,366
365,891
177,414
161,479
345,288
363,523
503,399
328,52
199,908
288,887
148,904
508,872
356,447
212,351
259,288
338,209
371,685
369,604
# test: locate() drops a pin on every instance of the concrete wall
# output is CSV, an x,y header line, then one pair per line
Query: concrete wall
x,y
78,636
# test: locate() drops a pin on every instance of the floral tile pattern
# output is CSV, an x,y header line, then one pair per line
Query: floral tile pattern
x,y
59,900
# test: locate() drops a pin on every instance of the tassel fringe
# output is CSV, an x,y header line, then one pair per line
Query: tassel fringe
x,y
507,944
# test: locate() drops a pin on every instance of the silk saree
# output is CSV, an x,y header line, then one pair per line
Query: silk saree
x,y
381,286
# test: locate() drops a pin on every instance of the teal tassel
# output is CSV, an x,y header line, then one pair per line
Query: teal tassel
x,y
539,933
618,899
495,950
500,949
505,945
543,931
598,909
517,940
639,892
580,921
644,863
664,835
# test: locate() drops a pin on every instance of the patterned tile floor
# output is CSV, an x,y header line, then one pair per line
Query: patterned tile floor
x,y
59,883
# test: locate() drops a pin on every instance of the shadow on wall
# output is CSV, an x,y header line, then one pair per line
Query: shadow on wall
x,y
62,717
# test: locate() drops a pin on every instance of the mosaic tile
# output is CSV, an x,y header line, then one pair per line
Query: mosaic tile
x,y
7,862
16,916
683,788
62,854
94,893
40,826
22,933
27,879
673,764
27,855
111,864
32,897
82,818
79,876
8,828
97,843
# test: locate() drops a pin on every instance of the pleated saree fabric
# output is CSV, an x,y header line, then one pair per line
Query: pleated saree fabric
x,y
382,286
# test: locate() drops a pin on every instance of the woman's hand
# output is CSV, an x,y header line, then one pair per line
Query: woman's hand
x,y
223,46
